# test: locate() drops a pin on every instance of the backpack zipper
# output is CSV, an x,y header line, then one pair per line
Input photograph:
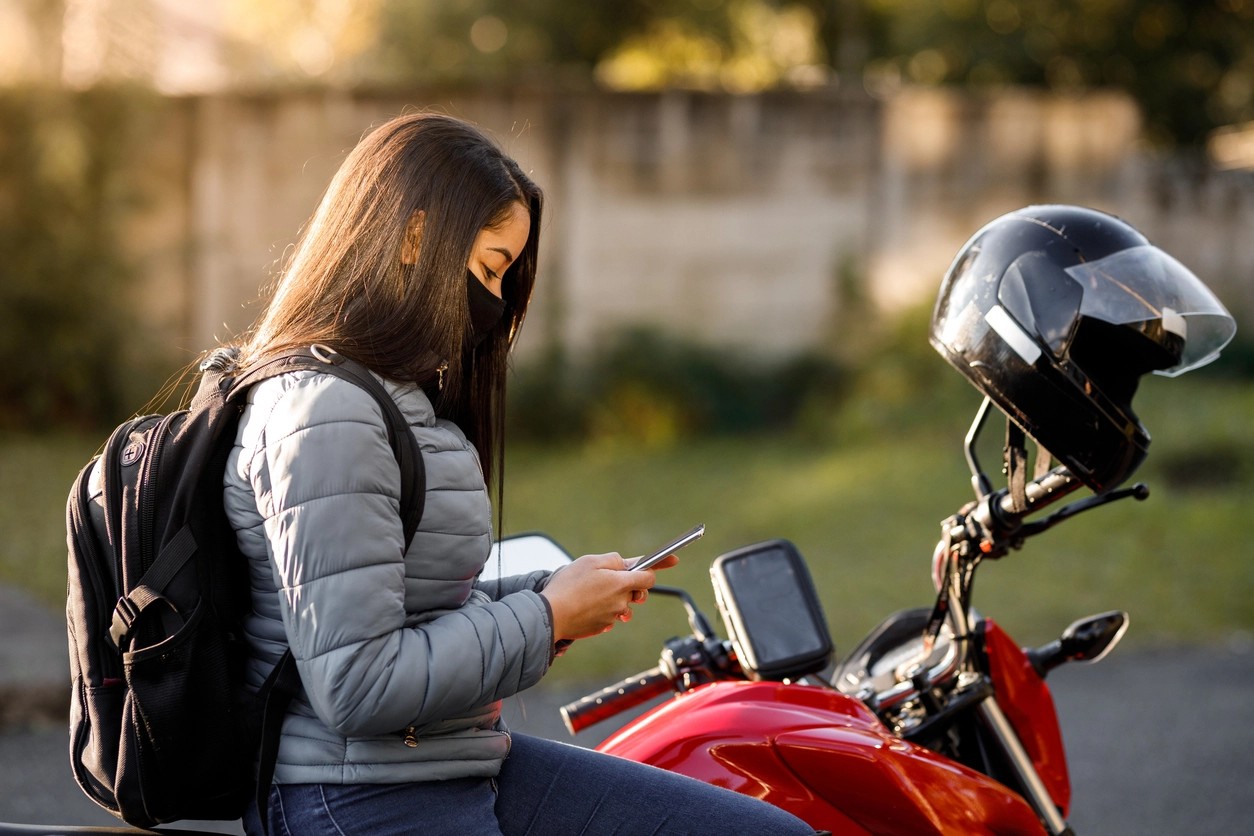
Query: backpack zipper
x,y
148,502
110,484
103,598
87,782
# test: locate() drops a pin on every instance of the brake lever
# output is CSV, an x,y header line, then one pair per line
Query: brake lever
x,y
1140,492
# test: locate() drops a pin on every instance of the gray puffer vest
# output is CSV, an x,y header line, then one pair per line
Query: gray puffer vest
x,y
403,658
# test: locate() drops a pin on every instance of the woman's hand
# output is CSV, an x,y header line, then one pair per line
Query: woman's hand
x,y
593,592
642,595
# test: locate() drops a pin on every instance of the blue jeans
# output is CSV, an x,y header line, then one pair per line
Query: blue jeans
x,y
545,789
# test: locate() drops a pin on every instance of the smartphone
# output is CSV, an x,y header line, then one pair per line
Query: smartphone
x,y
673,546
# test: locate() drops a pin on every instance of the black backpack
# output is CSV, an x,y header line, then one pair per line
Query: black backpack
x,y
161,727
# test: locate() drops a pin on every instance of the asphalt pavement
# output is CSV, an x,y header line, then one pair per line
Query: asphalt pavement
x,y
1159,741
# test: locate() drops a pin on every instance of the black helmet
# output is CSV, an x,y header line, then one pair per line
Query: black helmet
x,y
1055,312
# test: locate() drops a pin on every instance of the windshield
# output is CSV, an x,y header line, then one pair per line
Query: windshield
x,y
1144,283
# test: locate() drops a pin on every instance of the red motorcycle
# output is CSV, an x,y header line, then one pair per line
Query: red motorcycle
x,y
939,722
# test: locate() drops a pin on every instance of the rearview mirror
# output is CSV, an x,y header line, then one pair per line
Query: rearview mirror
x,y
1086,640
522,553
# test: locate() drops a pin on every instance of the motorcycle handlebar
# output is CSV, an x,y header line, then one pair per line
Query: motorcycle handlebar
x,y
998,514
1043,491
630,692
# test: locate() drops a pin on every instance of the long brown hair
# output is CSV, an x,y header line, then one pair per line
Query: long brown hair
x,y
347,287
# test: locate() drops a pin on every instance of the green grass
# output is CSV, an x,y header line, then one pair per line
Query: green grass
x,y
35,477
866,516
864,508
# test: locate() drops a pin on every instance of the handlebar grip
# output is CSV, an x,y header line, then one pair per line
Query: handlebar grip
x,y
630,692
1040,492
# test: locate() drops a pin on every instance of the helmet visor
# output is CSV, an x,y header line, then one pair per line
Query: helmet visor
x,y
1145,284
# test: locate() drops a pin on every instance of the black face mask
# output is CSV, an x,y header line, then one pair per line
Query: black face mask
x,y
486,309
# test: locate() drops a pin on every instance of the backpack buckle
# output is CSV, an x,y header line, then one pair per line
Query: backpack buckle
x,y
220,359
325,354
124,615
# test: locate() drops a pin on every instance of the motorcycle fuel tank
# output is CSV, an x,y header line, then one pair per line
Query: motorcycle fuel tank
x,y
822,756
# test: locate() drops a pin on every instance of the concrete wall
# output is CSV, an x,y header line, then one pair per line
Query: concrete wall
x,y
735,220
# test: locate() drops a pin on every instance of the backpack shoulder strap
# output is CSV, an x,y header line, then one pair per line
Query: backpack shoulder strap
x,y
284,681
400,437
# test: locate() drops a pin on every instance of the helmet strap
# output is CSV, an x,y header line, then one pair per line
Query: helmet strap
x,y
1016,466
1043,461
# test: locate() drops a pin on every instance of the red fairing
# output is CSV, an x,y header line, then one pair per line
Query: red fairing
x,y
1028,704
822,756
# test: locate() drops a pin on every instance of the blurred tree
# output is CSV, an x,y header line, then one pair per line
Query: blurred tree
x,y
1189,63
284,41
63,278
632,44
738,45
498,39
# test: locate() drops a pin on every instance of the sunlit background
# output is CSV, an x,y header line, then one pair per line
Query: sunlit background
x,y
767,175
1188,64
750,206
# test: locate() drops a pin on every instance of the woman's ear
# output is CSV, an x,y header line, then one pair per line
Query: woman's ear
x,y
413,237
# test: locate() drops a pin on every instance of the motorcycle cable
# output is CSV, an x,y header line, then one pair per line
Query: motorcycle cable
x,y
696,619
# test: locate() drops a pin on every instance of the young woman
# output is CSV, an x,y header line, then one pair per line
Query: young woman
x,y
419,263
